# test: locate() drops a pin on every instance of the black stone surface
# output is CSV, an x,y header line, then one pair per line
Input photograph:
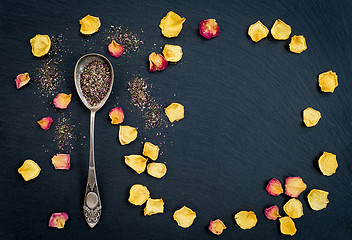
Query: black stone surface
x,y
243,120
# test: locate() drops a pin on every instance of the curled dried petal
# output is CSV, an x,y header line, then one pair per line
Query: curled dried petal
x,y
154,206
150,150
139,194
294,186
216,226
318,199
184,217
209,28
62,100
328,81
116,115
29,170
274,187
157,170
280,30
246,219
257,31
287,226
89,24
175,112
40,45
136,162
272,213
58,220
156,62
127,134
45,123
311,117
22,79
293,208
328,163
115,49
298,44
171,24
61,161
172,53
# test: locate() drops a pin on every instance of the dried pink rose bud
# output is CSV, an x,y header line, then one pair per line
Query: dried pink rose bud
x,y
22,79
274,187
209,28
216,226
116,115
58,220
45,123
156,62
61,161
272,213
62,100
115,49
294,186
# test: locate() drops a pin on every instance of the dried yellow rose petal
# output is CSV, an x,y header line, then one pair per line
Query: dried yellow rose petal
x,y
136,162
127,134
293,208
311,117
328,81
172,53
287,226
318,199
157,170
327,163
257,31
154,206
62,100
298,44
116,115
89,24
175,112
40,45
61,161
184,217
280,30
150,150
294,186
246,219
29,170
139,194
171,24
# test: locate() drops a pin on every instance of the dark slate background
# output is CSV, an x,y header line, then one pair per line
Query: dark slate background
x,y
243,120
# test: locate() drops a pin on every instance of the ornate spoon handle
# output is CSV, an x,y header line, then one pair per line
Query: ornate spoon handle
x,y
92,205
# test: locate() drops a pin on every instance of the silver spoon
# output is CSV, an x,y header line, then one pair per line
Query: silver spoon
x,y
92,205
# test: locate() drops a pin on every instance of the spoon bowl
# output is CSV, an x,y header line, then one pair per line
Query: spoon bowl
x,y
80,65
92,204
